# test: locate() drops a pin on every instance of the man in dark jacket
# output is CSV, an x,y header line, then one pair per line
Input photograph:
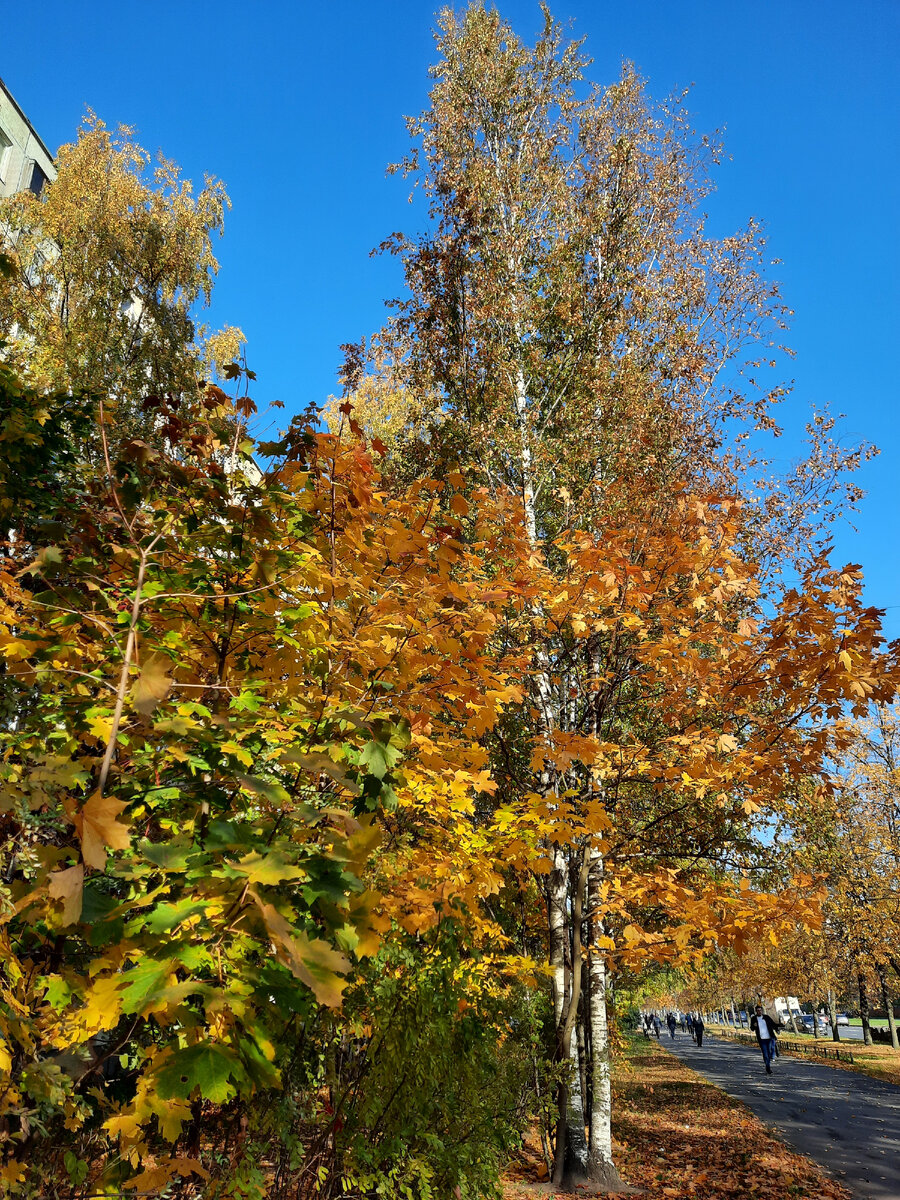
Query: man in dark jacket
x,y
698,1029
764,1028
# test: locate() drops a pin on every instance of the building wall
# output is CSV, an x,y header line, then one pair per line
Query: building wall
x,y
25,162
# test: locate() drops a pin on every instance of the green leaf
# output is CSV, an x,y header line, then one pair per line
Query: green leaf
x,y
268,868
143,983
263,787
166,916
170,856
209,1067
378,757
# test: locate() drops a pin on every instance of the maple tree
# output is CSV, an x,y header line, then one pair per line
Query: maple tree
x,y
219,673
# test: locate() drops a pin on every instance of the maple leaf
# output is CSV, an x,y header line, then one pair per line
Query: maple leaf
x,y
97,827
313,962
68,886
208,1066
152,685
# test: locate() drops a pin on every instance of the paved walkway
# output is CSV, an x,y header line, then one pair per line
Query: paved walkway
x,y
847,1122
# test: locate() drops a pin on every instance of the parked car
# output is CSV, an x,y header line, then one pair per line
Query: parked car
x,y
843,1019
811,1024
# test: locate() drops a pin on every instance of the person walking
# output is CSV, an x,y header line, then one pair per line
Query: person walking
x,y
698,1029
764,1028
656,1025
690,1025
670,1021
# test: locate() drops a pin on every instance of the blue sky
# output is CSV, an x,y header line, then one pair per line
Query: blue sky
x,y
299,107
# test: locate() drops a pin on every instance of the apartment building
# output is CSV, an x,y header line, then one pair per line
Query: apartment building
x,y
25,162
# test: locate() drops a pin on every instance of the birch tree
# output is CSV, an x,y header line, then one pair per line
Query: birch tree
x,y
572,332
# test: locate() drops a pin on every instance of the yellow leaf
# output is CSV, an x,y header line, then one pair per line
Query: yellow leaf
x,y
152,685
726,743
67,886
12,1172
127,1125
313,962
459,505
846,660
171,1115
98,828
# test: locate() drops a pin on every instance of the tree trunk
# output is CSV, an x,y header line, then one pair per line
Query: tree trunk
x,y
558,904
832,1016
864,1009
601,1168
571,1159
888,1002
581,1036
734,1020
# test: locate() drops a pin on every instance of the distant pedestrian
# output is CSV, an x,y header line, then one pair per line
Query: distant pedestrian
x,y
656,1025
670,1021
698,1029
690,1025
764,1028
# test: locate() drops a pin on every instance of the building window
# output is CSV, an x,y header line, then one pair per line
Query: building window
x,y
38,179
5,147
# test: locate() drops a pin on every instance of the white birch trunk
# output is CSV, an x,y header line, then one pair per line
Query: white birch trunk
x,y
600,1158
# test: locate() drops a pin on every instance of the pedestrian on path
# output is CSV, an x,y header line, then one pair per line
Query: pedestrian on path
x,y
690,1025
764,1028
670,1021
656,1025
698,1029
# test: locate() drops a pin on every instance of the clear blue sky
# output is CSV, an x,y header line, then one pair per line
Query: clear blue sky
x,y
299,107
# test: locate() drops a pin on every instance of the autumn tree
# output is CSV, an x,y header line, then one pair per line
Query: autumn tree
x,y
855,844
109,269
566,334
234,683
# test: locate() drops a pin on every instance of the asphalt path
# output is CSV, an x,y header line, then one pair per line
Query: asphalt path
x,y
848,1123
